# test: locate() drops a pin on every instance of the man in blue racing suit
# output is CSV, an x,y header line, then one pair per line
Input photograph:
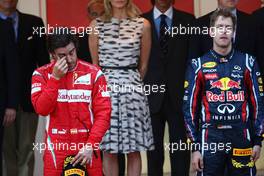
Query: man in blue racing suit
x,y
223,105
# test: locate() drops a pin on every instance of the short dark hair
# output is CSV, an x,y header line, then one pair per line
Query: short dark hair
x,y
61,37
224,13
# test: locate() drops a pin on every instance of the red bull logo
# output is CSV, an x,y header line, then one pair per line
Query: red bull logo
x,y
217,84
228,96
211,97
225,84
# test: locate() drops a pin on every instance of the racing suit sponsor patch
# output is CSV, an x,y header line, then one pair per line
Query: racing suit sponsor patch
x,y
77,95
242,152
84,79
209,70
223,60
35,89
260,80
236,76
261,88
209,65
240,165
36,85
74,171
195,62
211,76
226,108
225,84
186,84
69,169
54,131
63,131
225,96
73,131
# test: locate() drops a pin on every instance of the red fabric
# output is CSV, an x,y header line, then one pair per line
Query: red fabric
x,y
249,6
73,13
249,83
184,5
67,13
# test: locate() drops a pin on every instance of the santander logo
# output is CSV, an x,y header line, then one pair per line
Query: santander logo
x,y
78,95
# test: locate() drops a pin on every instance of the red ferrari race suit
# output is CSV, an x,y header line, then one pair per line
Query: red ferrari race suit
x,y
79,111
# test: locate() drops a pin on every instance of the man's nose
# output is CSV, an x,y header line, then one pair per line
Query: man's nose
x,y
68,58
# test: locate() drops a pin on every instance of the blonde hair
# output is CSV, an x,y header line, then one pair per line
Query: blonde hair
x,y
131,10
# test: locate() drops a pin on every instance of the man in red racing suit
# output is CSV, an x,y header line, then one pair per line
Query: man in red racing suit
x,y
74,95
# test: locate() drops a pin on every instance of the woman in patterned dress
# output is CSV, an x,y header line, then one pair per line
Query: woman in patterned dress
x,y
120,45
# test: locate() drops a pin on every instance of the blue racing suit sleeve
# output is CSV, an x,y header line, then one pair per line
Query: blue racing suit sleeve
x,y
193,87
254,84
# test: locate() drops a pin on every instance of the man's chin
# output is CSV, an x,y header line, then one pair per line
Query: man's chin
x,y
231,6
223,45
70,68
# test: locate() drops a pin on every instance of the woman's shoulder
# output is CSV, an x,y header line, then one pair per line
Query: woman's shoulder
x,y
141,20
138,18
99,19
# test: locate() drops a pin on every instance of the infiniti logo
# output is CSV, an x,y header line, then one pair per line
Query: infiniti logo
x,y
223,108
236,67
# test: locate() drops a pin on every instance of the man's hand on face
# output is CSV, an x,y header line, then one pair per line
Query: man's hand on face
x,y
60,68
197,161
9,117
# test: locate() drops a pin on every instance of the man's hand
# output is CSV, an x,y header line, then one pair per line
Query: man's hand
x,y
256,153
60,68
197,161
9,117
84,156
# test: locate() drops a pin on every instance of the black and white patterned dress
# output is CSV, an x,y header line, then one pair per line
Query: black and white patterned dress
x,y
119,52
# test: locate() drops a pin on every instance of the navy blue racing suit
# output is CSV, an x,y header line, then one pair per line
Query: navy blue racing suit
x,y
224,111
